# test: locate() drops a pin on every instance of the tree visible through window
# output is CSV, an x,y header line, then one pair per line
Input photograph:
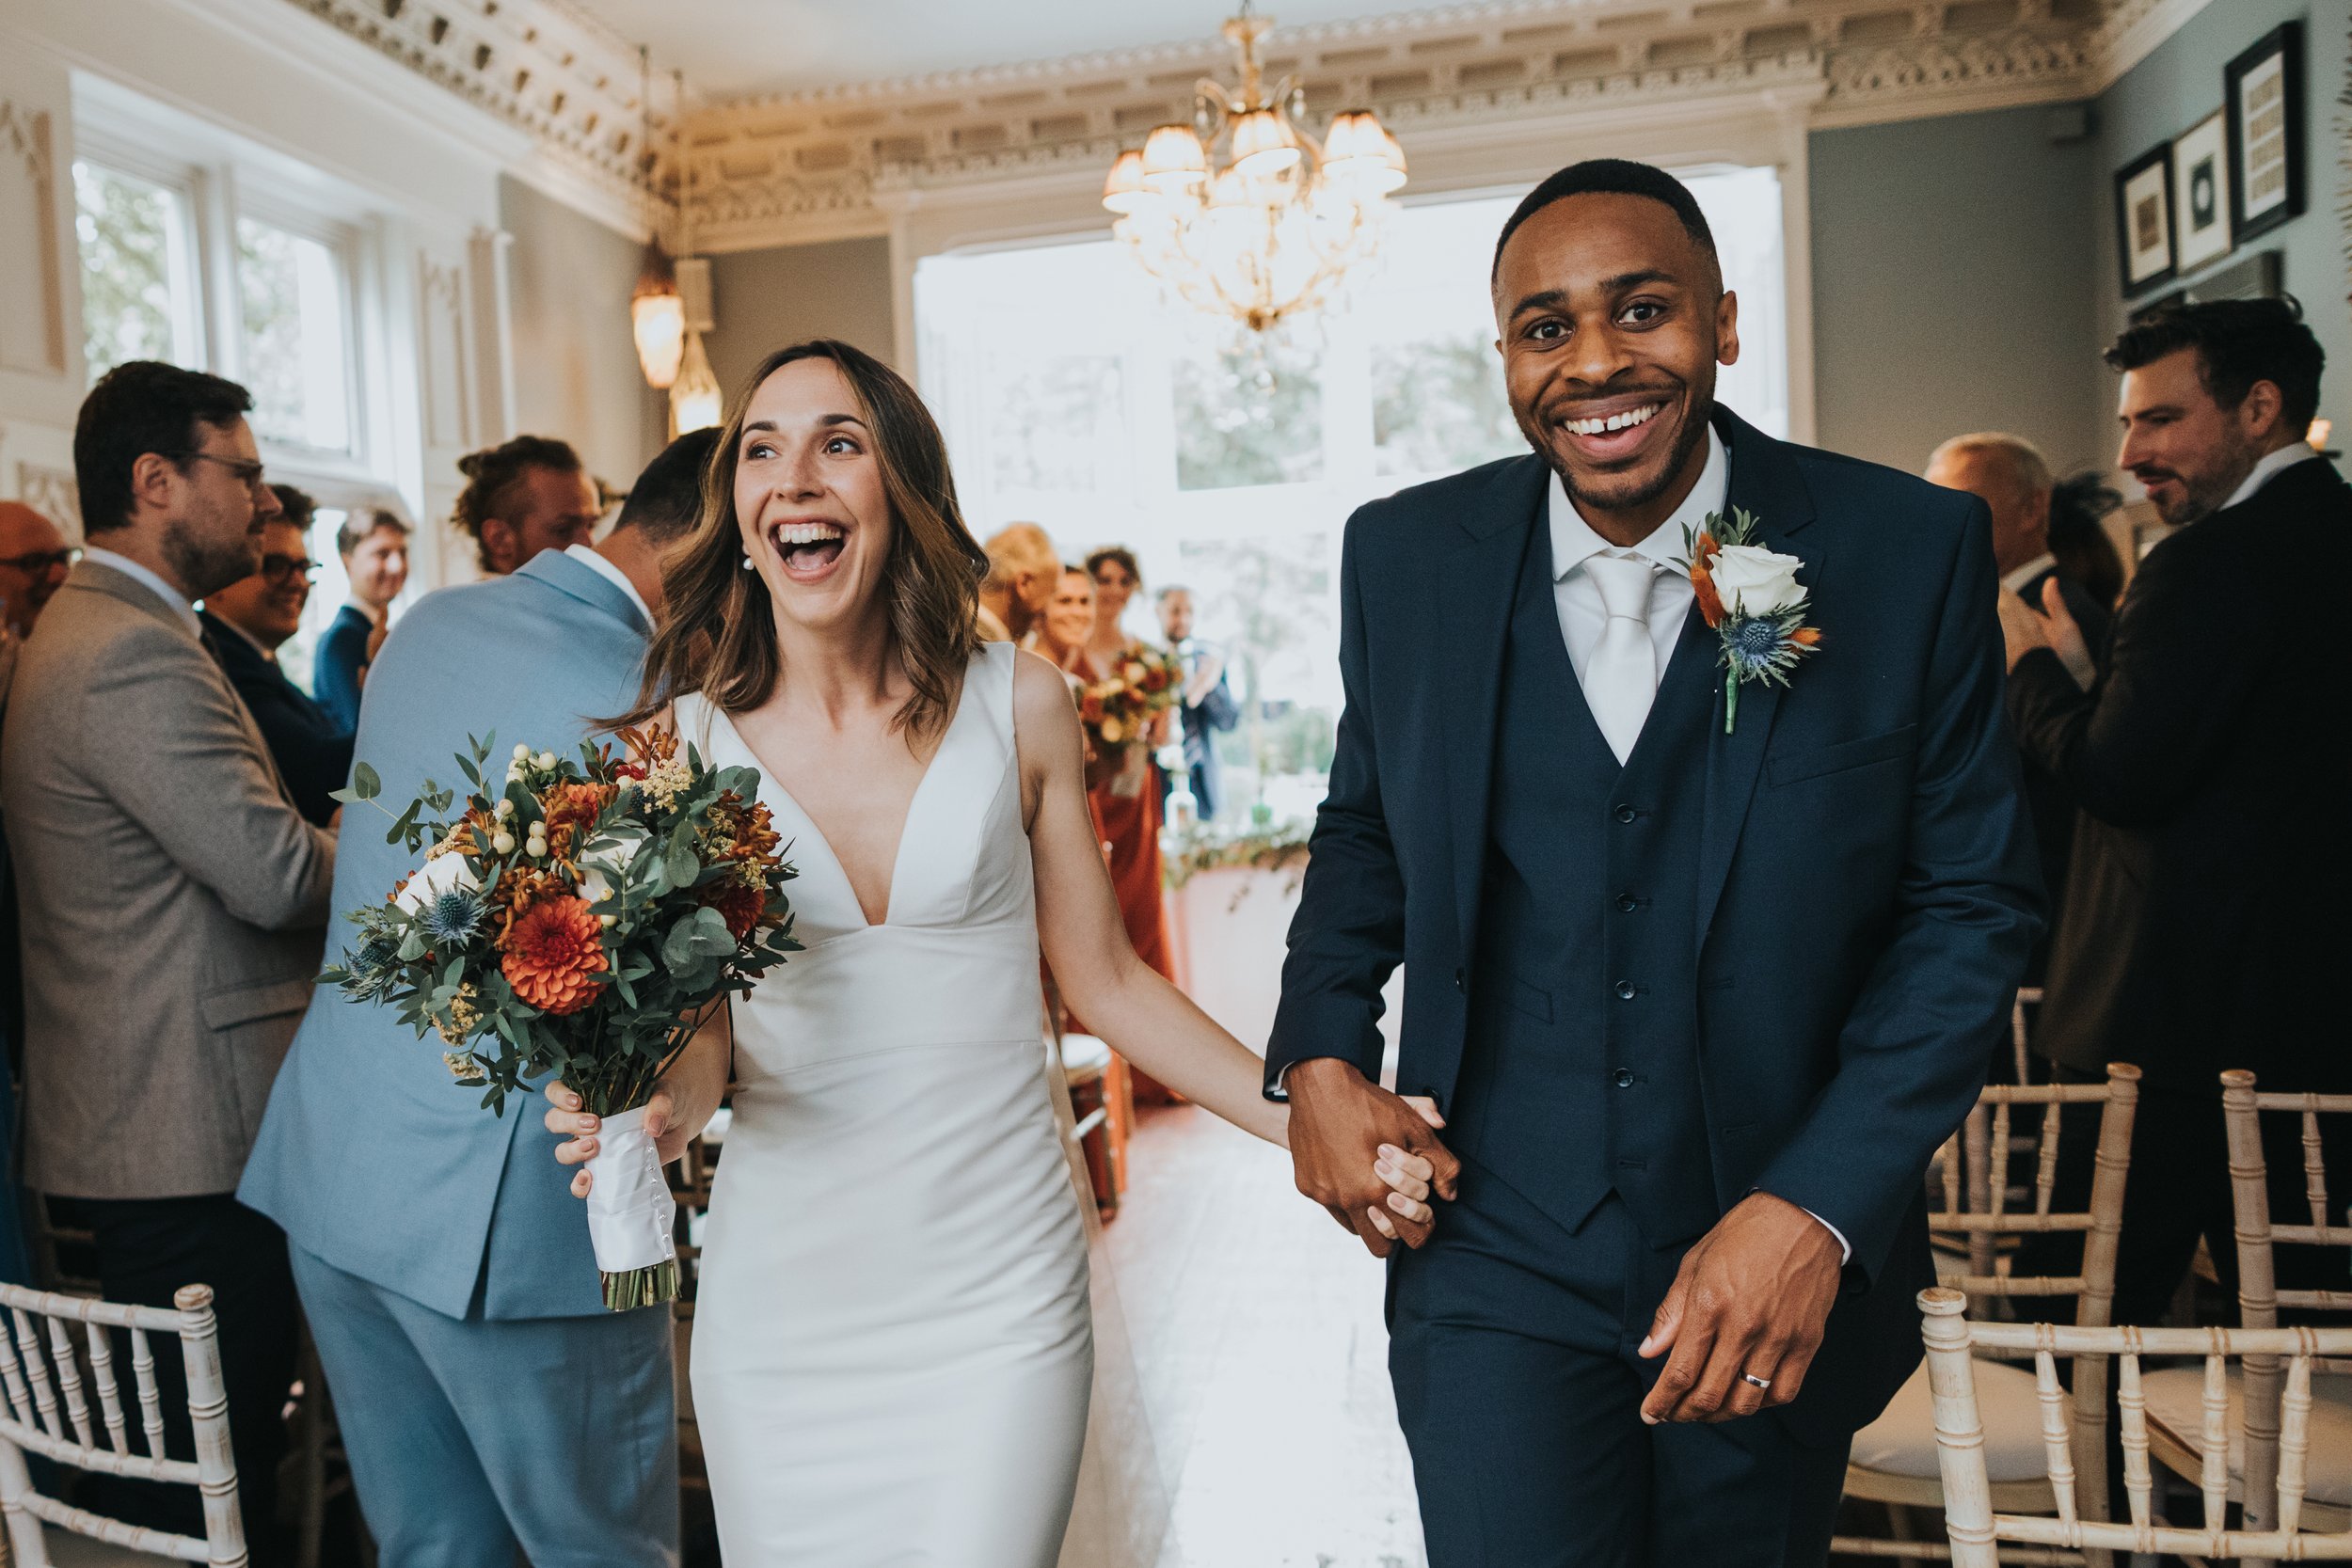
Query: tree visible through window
x,y
132,237
291,289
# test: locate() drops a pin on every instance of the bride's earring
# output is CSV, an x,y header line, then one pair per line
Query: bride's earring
x,y
747,563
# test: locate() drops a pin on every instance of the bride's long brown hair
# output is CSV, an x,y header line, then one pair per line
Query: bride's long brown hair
x,y
718,635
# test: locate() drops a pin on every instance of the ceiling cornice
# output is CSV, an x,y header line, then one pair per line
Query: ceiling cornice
x,y
786,169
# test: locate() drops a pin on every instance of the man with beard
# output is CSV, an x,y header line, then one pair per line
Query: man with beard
x,y
173,903
1700,974
2205,915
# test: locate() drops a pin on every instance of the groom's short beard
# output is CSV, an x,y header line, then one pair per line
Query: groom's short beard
x,y
1702,409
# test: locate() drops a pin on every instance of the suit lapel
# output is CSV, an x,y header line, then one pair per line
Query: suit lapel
x,y
1477,581
1764,481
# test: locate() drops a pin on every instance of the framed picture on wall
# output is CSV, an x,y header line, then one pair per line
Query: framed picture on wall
x,y
2143,217
2200,193
2264,93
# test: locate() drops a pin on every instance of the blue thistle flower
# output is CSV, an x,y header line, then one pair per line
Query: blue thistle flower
x,y
372,969
1753,644
453,917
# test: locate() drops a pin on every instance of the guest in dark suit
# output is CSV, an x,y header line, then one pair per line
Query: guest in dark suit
x,y
374,545
1207,709
2205,921
2009,475
245,624
1699,990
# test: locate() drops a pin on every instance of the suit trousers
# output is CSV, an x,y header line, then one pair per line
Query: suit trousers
x,y
149,1248
1512,1345
472,1439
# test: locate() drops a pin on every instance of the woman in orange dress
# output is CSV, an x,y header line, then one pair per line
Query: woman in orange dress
x,y
1127,800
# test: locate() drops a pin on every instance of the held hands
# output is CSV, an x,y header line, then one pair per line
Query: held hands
x,y
681,1107
1748,1306
1350,1139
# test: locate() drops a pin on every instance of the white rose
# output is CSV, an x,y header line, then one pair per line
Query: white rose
x,y
444,874
1754,581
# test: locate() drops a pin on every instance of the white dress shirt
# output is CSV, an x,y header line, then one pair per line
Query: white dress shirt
x,y
139,574
1573,543
604,568
2271,468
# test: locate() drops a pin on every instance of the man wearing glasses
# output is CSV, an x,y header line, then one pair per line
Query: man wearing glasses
x,y
34,560
246,624
173,903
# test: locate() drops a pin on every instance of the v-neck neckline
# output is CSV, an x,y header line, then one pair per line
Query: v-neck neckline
x,y
906,825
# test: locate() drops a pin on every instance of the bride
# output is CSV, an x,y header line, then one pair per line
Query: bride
x,y
893,1348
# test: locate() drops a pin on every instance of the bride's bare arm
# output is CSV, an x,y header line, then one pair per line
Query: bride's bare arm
x,y
1145,1019
681,1106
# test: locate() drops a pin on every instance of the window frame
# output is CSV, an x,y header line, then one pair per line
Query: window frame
x,y
183,184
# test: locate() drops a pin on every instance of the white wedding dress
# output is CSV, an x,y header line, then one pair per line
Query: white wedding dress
x,y
894,1355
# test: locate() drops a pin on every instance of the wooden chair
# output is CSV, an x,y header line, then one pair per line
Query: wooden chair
x,y
2175,1397
49,1414
1977,1526
1894,1458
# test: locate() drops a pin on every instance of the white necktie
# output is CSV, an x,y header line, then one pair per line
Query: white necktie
x,y
1621,677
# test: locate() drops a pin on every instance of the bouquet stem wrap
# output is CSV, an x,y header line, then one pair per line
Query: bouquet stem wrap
x,y
631,1216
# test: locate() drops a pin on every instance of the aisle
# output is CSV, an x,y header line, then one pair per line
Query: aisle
x,y
1257,1330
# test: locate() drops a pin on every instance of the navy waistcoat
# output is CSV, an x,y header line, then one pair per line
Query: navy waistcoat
x,y
1582,1073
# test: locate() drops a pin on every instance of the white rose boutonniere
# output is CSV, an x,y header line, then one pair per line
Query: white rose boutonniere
x,y
1751,580
1752,598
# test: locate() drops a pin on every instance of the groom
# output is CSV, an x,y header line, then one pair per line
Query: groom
x,y
1699,992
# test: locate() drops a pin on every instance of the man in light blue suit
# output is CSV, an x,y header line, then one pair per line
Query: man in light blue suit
x,y
488,1400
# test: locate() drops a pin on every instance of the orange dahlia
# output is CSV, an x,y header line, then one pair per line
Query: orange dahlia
x,y
739,905
553,957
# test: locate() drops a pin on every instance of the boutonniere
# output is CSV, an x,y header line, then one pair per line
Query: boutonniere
x,y
1751,599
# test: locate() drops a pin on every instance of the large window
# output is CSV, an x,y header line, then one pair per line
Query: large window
x,y
139,298
150,234
1072,397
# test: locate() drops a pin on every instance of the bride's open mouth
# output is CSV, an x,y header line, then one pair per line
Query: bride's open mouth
x,y
809,548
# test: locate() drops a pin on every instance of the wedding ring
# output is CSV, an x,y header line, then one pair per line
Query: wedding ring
x,y
1755,1381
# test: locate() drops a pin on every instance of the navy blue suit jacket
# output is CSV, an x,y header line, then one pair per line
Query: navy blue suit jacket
x,y
311,750
1867,882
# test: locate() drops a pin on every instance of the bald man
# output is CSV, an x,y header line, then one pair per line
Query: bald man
x,y
34,558
1023,568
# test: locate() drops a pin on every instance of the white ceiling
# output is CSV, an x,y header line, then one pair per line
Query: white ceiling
x,y
731,48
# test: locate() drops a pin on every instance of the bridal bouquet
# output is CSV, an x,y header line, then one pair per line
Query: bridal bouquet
x,y
573,922
1118,710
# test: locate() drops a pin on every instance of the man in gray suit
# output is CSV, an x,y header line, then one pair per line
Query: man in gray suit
x,y
488,1400
172,897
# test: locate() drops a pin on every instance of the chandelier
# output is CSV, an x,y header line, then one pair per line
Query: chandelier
x,y
1240,214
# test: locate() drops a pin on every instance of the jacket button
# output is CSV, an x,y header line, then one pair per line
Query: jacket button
x,y
1626,903
1623,1078
1626,990
1626,813
1457,980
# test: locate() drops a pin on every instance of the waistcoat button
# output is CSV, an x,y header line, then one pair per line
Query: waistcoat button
x,y
1626,991
1623,1078
1626,813
1626,903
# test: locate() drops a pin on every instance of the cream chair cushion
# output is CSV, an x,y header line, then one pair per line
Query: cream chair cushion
x,y
2176,1402
1901,1442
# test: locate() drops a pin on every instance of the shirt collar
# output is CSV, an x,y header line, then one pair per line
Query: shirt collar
x,y
2016,579
2269,469
231,625
1573,539
604,568
142,575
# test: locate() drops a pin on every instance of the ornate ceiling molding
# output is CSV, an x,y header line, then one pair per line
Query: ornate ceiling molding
x,y
784,168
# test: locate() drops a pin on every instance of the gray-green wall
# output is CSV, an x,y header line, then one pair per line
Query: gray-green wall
x,y
568,281
768,299
2179,85
1953,285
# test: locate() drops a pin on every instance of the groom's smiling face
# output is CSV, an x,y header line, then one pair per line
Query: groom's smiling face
x,y
1613,320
